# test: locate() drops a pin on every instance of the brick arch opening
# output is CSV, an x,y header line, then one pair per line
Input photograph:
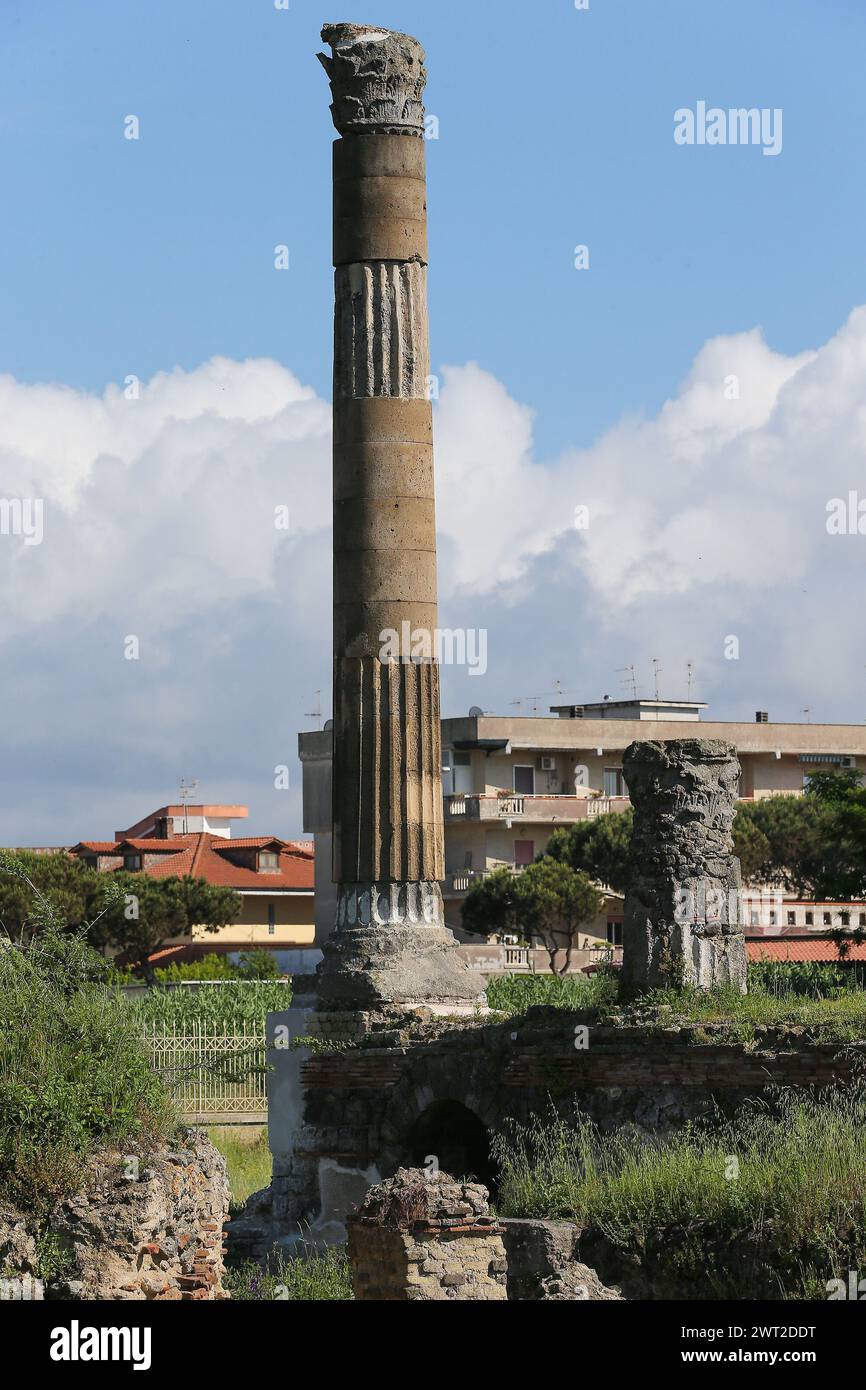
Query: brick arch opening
x,y
456,1137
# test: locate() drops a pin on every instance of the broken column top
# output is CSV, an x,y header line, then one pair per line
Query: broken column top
x,y
687,780
416,1197
377,80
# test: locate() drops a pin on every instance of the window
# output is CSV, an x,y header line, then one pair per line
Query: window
x,y
810,919
772,919
524,852
828,919
613,783
272,919
132,862
269,863
754,918
792,919
863,919
846,919
524,779
614,933
456,773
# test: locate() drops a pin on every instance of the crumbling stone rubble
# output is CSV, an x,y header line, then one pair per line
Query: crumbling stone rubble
x,y
142,1226
425,1237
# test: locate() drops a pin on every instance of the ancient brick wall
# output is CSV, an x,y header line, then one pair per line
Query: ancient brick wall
x,y
426,1238
361,1104
143,1226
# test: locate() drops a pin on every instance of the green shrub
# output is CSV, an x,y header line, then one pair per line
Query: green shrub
x,y
769,1203
257,965
250,965
73,1073
209,967
312,1277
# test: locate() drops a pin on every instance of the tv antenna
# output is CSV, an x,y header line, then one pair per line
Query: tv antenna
x,y
657,669
630,678
557,694
186,794
317,712
690,679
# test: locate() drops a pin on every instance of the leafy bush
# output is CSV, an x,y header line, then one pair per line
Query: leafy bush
x,y
770,1203
315,1276
73,1073
250,965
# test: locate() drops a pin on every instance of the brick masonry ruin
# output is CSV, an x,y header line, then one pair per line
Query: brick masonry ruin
x,y
347,1118
142,1227
426,1237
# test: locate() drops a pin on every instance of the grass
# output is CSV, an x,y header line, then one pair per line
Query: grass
x,y
771,1203
316,1276
245,1148
830,1005
227,1005
840,1017
514,994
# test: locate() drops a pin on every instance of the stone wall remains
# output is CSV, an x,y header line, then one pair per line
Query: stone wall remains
x,y
426,1237
142,1226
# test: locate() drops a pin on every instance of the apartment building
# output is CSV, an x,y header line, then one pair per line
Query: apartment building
x,y
510,781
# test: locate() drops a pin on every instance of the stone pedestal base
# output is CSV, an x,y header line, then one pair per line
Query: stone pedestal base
x,y
662,957
367,969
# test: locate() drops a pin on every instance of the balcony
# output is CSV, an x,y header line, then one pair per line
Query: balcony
x,y
548,810
457,885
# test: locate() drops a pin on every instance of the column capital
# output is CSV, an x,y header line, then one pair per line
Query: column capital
x,y
377,80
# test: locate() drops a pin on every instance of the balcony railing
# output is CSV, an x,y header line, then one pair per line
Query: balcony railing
x,y
493,806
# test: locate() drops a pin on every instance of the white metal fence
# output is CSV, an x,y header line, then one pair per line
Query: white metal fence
x,y
216,1077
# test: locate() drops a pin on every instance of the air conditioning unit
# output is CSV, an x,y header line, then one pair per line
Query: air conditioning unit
x,y
547,764
846,762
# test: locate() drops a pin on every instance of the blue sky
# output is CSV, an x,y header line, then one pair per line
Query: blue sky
x,y
555,129
560,387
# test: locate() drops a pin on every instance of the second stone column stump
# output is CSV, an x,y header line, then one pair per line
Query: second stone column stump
x,y
683,909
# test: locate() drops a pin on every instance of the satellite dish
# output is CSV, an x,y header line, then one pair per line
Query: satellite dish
x,y
476,712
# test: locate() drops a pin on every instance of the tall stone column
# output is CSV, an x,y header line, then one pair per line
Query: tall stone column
x,y
683,916
390,946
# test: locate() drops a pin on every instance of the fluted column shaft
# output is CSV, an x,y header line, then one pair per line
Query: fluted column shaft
x,y
387,758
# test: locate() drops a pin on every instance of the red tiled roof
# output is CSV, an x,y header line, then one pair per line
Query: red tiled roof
x,y
204,856
800,949
168,955
97,846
